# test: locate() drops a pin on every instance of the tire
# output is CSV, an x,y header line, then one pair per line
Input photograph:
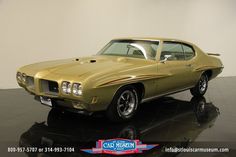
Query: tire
x,y
201,87
124,104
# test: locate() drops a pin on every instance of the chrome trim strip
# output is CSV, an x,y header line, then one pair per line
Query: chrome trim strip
x,y
160,95
133,79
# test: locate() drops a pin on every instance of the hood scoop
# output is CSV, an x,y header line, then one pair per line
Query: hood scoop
x,y
93,61
85,61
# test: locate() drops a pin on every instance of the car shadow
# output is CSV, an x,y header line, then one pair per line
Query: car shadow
x,y
166,121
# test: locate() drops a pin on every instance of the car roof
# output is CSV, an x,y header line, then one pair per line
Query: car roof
x,y
154,39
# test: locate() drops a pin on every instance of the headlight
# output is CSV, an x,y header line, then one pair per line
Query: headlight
x,y
24,77
19,76
77,89
66,87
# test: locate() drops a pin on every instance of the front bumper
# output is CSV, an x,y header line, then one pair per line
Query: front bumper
x,y
67,105
49,88
92,100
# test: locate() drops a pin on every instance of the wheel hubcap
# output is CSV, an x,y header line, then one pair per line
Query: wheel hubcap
x,y
202,84
126,103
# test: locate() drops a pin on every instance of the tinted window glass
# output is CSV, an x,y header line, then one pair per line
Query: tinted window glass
x,y
175,51
189,52
131,48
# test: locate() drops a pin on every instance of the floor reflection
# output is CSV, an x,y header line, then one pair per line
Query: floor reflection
x,y
163,120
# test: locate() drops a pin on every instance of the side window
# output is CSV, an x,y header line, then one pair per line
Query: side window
x,y
188,51
174,50
135,52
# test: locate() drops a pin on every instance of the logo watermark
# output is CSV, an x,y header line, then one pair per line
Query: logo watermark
x,y
119,146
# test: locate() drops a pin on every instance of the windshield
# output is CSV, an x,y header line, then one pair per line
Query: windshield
x,y
131,48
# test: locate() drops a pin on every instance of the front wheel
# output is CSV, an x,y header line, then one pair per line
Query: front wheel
x,y
201,87
124,104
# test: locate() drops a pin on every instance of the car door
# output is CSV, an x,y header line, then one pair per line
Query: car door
x,y
175,69
190,62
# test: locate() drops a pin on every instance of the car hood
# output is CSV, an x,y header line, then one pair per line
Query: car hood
x,y
85,67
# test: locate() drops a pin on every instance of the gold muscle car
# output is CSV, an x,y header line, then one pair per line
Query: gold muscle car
x,y
125,73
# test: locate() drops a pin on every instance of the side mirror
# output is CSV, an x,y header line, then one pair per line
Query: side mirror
x,y
165,58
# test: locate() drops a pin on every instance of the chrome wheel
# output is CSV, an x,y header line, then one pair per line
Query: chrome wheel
x,y
124,104
202,84
201,87
127,103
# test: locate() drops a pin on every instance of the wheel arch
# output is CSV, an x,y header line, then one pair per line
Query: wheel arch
x,y
139,86
112,113
209,73
140,89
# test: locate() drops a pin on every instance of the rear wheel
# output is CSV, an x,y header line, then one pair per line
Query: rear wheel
x,y
124,104
201,87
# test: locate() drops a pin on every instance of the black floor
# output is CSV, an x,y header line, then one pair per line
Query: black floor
x,y
177,120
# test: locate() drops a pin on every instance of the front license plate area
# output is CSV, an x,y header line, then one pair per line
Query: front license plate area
x,y
46,101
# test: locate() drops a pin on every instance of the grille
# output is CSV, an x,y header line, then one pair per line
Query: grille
x,y
49,87
30,82
53,86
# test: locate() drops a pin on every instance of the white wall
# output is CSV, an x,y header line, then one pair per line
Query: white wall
x,y
38,30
